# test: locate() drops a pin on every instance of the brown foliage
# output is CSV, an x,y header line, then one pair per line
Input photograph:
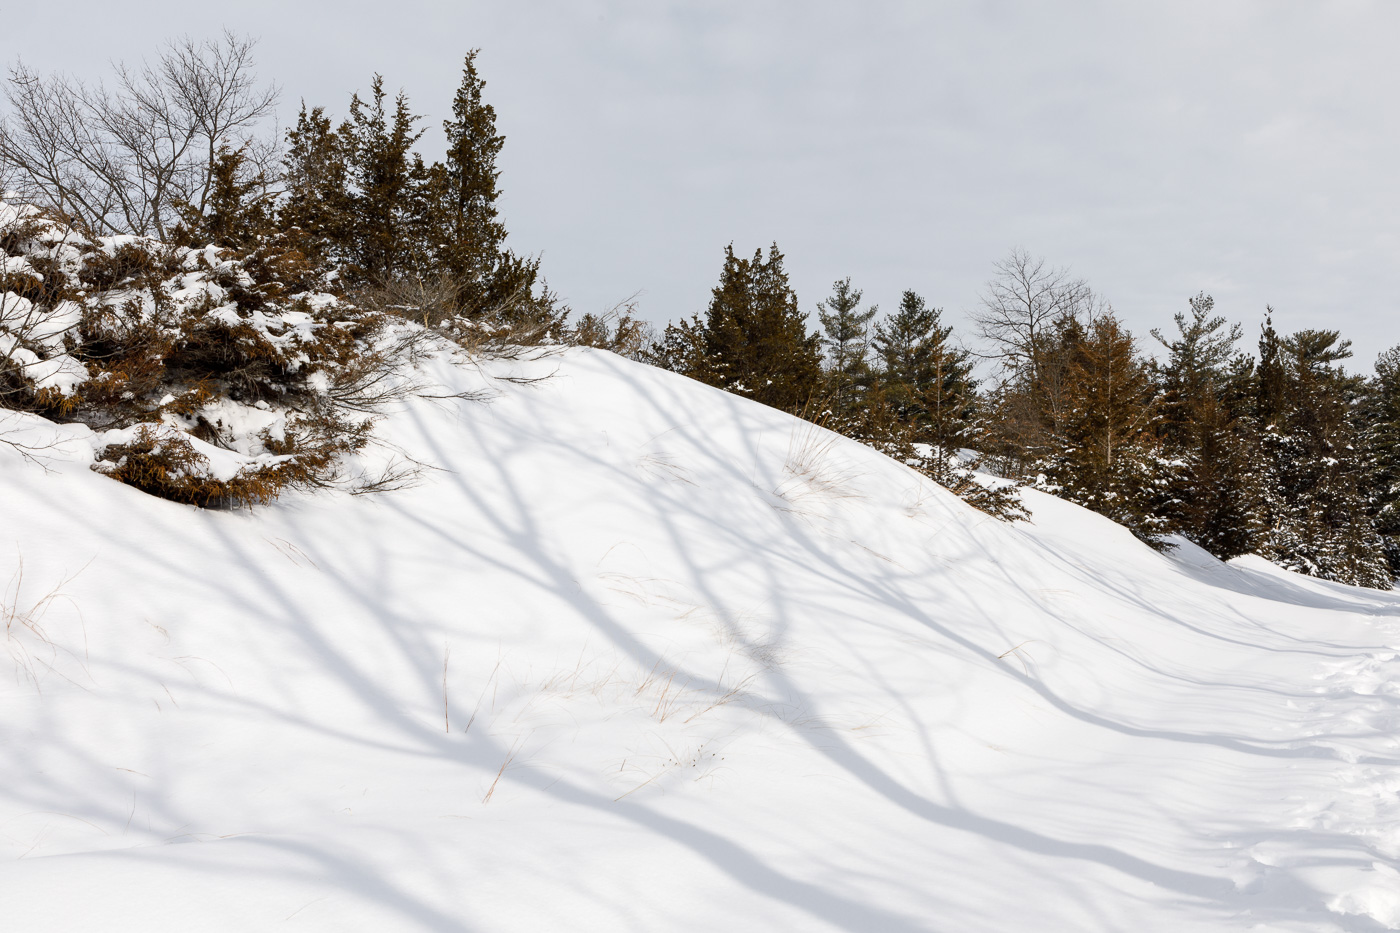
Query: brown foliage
x,y
166,464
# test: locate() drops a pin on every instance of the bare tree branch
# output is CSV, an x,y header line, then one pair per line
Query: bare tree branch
x,y
1022,304
125,159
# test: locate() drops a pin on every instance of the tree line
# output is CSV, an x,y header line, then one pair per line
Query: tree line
x,y
1281,452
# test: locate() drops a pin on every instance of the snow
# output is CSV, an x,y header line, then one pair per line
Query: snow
x,y
18,266
244,424
61,372
220,463
49,330
636,654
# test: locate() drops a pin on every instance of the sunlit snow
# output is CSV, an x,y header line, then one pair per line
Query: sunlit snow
x,y
634,654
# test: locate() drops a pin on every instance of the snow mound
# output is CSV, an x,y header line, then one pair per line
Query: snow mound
x,y
634,654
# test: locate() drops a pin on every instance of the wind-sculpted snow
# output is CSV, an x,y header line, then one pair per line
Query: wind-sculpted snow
x,y
634,654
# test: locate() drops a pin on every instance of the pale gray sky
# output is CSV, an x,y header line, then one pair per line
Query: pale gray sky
x,y
1248,149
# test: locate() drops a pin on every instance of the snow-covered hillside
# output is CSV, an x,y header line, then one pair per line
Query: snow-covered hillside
x,y
635,654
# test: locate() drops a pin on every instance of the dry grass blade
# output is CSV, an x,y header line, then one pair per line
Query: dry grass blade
x,y
505,763
446,722
729,696
639,786
669,699
808,469
28,621
1015,652
477,708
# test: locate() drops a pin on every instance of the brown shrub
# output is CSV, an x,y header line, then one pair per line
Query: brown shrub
x,y
160,349
166,464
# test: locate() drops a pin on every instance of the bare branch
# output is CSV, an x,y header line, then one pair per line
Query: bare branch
x,y
1023,303
124,159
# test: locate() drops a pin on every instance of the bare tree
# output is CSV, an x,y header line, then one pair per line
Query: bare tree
x,y
126,158
8,179
1022,306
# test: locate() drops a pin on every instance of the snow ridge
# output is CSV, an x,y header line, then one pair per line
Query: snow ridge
x,y
636,654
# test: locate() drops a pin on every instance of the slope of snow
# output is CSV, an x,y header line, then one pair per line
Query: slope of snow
x,y
635,654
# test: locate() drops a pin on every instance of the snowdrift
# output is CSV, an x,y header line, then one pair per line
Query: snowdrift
x,y
634,654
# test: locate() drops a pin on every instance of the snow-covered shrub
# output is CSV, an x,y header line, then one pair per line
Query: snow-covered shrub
x,y
214,378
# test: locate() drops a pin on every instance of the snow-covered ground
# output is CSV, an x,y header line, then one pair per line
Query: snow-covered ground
x,y
638,655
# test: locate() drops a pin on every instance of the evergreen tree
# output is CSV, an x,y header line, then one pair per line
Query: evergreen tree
x,y
1275,528
466,236
317,205
508,296
1310,513
681,348
926,380
466,227
1107,458
847,342
388,177
753,340
1204,430
1381,425
237,208
360,198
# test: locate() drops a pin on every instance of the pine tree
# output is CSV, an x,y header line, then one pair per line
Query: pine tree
x,y
1381,426
1205,438
926,379
317,206
466,236
921,406
753,340
466,226
1106,456
681,348
237,209
1311,513
387,236
1276,528
847,342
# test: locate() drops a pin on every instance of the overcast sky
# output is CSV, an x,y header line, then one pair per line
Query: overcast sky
x,y
1244,149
